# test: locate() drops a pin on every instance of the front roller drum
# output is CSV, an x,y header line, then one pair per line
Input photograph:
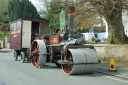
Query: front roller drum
x,y
38,51
84,60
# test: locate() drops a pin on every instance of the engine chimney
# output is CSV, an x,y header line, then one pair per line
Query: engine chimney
x,y
71,13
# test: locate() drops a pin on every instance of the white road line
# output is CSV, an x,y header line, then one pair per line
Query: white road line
x,y
60,74
3,64
74,78
26,76
50,70
117,79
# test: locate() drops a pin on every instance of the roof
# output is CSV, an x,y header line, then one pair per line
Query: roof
x,y
33,18
29,18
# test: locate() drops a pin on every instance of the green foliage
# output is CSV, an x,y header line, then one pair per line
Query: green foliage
x,y
53,16
21,8
11,10
83,30
4,34
90,42
104,57
4,12
4,19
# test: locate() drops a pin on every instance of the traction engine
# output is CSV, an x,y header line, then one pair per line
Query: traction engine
x,y
65,49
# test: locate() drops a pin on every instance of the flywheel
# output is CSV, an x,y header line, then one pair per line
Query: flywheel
x,y
38,51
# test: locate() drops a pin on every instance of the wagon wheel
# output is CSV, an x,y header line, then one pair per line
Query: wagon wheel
x,y
15,55
22,55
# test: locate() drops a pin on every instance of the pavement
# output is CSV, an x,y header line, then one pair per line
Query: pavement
x,y
122,70
103,67
6,50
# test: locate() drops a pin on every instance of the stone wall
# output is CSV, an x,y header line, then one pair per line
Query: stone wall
x,y
117,52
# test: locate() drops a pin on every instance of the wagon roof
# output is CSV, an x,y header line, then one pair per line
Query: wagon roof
x,y
33,18
29,18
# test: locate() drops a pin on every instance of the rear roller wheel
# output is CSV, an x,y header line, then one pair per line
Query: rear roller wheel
x,y
38,53
84,60
22,55
15,55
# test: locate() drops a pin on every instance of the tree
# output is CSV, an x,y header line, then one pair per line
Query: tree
x,y
83,20
21,8
111,10
53,15
89,11
4,19
44,8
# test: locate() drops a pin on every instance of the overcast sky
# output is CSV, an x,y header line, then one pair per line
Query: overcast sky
x,y
39,4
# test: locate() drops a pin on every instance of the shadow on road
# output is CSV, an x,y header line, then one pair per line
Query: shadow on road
x,y
51,66
88,75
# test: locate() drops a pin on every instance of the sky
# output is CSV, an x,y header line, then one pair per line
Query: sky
x,y
39,4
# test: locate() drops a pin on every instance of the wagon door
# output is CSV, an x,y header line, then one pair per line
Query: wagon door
x,y
26,34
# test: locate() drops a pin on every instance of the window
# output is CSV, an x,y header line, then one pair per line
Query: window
x,y
14,26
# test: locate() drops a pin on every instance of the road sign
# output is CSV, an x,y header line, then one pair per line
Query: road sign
x,y
112,66
62,19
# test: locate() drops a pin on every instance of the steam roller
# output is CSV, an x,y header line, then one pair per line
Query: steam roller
x,y
66,49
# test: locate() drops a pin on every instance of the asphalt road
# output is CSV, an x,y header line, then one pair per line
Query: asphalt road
x,y
17,73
